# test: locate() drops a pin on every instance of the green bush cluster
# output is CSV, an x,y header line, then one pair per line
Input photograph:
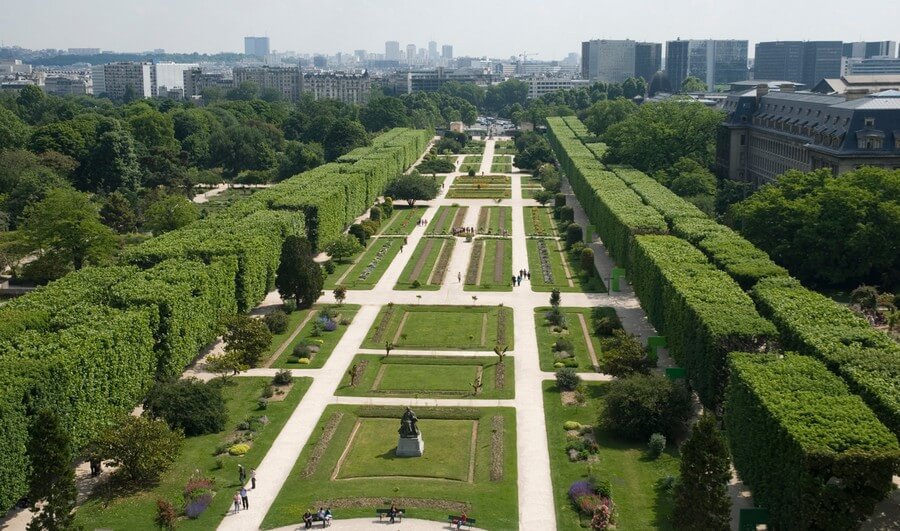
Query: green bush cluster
x,y
701,310
90,345
812,452
814,325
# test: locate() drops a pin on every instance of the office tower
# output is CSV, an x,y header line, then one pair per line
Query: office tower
x,y
804,62
614,61
447,52
715,62
867,50
647,59
258,46
875,66
392,51
432,52
821,59
114,79
410,53
360,55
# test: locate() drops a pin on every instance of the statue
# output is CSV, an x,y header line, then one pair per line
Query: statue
x,y
410,443
408,428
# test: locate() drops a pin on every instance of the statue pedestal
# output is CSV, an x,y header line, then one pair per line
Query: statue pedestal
x,y
410,447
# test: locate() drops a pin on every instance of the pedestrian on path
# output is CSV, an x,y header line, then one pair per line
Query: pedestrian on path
x,y
244,500
242,474
459,277
252,478
514,280
237,502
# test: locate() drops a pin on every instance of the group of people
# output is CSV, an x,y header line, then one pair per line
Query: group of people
x,y
517,279
324,516
240,500
422,222
465,231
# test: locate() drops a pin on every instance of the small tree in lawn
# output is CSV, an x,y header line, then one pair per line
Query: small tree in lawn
x,y
343,248
247,338
500,351
225,365
340,293
412,188
477,385
623,355
141,448
555,298
52,476
543,197
299,277
388,347
587,261
701,496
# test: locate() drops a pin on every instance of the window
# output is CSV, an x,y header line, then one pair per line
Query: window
x,y
869,121
743,139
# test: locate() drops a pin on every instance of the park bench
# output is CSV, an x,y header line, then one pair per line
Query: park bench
x,y
454,520
385,512
315,518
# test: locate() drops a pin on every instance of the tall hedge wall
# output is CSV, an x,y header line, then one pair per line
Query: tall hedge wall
x,y
90,344
812,453
866,359
701,310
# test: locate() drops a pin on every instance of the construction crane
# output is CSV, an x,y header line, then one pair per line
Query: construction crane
x,y
523,58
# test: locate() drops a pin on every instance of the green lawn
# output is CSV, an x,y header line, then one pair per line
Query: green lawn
x,y
441,327
428,487
137,510
431,377
538,220
294,320
495,258
472,159
403,221
465,168
365,272
478,192
547,337
560,280
443,221
427,265
483,179
501,164
528,192
633,476
505,147
326,341
491,219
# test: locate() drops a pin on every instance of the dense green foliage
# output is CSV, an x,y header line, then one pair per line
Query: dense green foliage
x,y
191,405
812,453
412,187
640,405
702,312
141,448
866,359
701,495
833,230
53,478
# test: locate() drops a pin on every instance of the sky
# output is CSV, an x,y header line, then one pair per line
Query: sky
x,y
545,29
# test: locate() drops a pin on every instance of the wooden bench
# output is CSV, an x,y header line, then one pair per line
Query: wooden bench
x,y
455,520
325,523
386,513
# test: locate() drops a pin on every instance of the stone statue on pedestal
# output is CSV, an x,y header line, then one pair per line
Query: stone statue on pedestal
x,y
410,443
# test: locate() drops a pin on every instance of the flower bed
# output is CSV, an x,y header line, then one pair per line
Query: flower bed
x,y
546,269
374,263
497,448
472,272
440,269
501,325
322,444
385,321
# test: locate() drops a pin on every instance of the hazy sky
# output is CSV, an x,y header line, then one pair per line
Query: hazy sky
x,y
497,28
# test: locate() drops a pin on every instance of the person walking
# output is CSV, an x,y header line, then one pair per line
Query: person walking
x,y
252,478
242,474
459,276
237,502
244,501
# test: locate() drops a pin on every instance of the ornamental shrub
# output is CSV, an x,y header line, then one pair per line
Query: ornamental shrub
x,y
239,449
559,200
375,213
566,214
567,379
587,262
276,321
638,406
656,446
359,232
188,404
571,425
283,377
812,453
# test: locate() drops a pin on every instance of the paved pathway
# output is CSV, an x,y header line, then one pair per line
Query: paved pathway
x,y
409,524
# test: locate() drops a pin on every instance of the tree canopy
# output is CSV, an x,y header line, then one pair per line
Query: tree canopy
x,y
412,187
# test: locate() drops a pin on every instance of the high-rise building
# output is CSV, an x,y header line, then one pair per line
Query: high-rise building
x,y
873,66
432,52
360,55
320,61
715,62
614,61
392,51
410,53
115,79
647,59
258,46
867,50
447,52
169,76
286,80
805,62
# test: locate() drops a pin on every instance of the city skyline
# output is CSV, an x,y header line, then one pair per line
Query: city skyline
x,y
535,27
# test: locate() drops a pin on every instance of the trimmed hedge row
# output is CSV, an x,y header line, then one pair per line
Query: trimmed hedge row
x,y
701,310
91,344
812,452
656,195
866,359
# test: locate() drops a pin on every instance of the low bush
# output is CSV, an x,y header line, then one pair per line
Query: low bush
x,y
567,379
191,405
637,406
623,354
283,377
276,321
571,425
239,449
656,446
574,234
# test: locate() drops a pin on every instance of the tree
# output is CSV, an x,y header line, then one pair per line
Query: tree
x,y
118,214
151,127
247,338
142,448
412,187
299,277
688,178
623,355
383,113
13,131
701,495
340,293
225,365
388,347
638,406
298,158
693,84
567,379
344,136
555,298
241,147
52,478
603,114
543,197
66,226
246,91
534,155
112,163
344,247
169,213
657,135
191,405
